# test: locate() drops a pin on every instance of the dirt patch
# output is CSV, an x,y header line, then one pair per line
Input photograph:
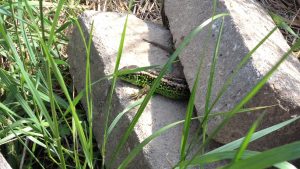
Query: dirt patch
x,y
148,10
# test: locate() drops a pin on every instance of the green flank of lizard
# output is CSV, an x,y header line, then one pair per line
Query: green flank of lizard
x,y
171,87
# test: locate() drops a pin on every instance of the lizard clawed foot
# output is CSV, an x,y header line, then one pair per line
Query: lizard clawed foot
x,y
141,93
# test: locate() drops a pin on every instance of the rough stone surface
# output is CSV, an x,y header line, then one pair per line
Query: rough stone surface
x,y
163,152
247,24
3,163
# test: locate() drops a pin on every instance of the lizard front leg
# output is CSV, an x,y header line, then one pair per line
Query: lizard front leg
x,y
141,93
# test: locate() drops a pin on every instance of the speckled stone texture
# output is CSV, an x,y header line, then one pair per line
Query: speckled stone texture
x,y
163,152
247,24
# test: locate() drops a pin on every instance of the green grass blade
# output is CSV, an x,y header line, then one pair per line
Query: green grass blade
x,y
129,71
81,93
25,75
227,155
270,157
55,120
211,78
9,112
247,139
257,135
188,117
81,33
120,115
76,119
236,144
55,21
64,26
56,130
12,87
157,133
139,147
217,156
239,66
22,142
280,22
111,90
6,12
156,83
88,92
212,75
285,165
42,19
249,95
189,113
260,84
88,87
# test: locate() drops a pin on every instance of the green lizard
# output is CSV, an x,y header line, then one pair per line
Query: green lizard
x,y
171,87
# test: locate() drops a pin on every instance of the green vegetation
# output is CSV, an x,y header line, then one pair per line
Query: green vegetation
x,y
43,125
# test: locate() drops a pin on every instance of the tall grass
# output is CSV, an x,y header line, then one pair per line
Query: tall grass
x,y
43,126
30,79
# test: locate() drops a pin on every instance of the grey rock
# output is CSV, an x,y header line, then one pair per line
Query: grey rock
x,y
162,152
247,24
3,163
